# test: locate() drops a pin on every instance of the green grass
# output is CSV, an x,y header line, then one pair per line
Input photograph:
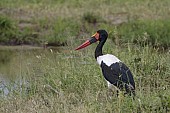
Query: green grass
x,y
71,81
155,33
65,80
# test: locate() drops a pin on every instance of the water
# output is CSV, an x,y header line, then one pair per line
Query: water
x,y
15,64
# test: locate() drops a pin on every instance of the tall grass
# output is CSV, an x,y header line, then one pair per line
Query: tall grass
x,y
155,33
71,81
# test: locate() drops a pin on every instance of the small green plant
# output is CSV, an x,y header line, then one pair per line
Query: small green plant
x,y
7,29
5,23
90,17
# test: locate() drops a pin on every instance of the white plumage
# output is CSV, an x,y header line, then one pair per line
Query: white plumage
x,y
108,59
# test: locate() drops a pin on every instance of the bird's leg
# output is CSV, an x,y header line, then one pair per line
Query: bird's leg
x,y
109,85
112,90
117,93
120,95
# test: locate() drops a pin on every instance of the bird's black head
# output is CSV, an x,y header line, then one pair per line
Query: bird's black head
x,y
100,35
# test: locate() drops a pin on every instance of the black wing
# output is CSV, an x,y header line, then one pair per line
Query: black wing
x,y
119,75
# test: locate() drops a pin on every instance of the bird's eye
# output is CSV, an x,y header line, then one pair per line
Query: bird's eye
x,y
94,34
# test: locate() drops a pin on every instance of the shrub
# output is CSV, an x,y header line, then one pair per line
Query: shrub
x,y
7,29
90,17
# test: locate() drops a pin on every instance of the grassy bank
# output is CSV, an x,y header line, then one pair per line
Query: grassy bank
x,y
56,22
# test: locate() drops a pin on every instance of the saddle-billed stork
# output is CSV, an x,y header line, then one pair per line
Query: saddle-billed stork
x,y
114,71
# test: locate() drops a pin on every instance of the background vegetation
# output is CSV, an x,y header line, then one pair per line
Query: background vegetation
x,y
65,80
37,22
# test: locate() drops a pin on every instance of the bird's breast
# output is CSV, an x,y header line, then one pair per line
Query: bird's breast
x,y
108,59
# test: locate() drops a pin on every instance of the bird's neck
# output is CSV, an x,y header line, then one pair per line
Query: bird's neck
x,y
98,51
